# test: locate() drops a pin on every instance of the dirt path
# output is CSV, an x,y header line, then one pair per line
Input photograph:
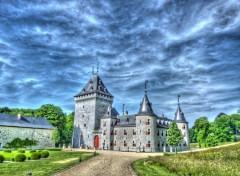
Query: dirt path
x,y
108,163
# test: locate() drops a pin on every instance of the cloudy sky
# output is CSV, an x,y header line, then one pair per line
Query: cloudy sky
x,y
191,48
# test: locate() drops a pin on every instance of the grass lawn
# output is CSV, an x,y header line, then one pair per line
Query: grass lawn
x,y
195,145
145,167
221,161
57,161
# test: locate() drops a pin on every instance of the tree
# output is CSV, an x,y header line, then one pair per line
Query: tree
x,y
69,127
201,128
192,135
56,136
235,120
212,140
55,116
174,137
222,129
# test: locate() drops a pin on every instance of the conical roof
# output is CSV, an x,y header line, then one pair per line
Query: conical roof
x,y
94,85
146,106
179,115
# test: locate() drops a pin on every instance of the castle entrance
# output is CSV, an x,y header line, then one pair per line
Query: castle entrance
x,y
96,142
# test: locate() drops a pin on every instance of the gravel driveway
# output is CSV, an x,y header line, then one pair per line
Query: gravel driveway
x,y
107,163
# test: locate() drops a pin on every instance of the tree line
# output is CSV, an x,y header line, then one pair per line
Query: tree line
x,y
224,128
62,122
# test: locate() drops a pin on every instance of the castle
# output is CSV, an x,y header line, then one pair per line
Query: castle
x,y
98,125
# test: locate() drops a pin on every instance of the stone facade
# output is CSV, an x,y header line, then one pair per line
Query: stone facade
x,y
43,136
33,128
97,125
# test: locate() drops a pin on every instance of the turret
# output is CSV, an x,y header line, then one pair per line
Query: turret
x,y
146,125
183,126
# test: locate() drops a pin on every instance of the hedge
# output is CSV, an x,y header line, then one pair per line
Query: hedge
x,y
21,151
35,156
44,154
8,151
53,149
20,157
1,158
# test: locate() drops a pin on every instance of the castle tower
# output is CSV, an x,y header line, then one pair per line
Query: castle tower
x,y
146,125
90,105
183,126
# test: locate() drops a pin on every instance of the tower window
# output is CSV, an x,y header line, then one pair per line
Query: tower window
x,y
148,122
125,144
85,125
134,144
112,132
148,132
104,132
148,144
134,132
184,127
83,115
115,133
82,106
125,132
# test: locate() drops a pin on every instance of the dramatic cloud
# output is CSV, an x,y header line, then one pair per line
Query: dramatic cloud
x,y
192,48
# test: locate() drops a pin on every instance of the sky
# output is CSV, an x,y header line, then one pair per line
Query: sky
x,y
191,48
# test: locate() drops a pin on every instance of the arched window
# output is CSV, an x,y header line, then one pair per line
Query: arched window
x,y
183,127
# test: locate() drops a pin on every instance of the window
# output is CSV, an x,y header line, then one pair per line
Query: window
x,y
183,127
134,144
148,122
148,132
112,132
85,125
104,124
104,132
81,136
158,145
148,144
111,143
134,132
82,106
125,144
115,133
125,132
166,133
83,115
103,142
184,144
158,133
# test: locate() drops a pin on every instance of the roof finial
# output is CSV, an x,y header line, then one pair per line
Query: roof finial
x,y
92,70
97,66
178,99
123,108
146,81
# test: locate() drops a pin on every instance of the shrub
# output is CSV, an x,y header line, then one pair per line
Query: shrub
x,y
32,151
35,156
44,154
8,151
53,149
20,157
1,158
21,151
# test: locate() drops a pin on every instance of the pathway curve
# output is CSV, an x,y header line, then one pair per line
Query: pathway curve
x,y
107,163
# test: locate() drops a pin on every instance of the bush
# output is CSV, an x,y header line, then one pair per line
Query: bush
x,y
32,151
35,156
8,151
1,158
21,151
53,149
20,157
44,154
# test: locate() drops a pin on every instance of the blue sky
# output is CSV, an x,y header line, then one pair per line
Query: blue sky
x,y
191,48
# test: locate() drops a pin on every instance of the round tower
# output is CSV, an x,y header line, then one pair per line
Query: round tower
x,y
146,125
183,126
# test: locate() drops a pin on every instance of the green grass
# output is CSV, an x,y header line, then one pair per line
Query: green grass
x,y
221,161
145,167
43,167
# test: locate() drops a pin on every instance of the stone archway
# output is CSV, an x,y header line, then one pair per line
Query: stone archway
x,y
96,142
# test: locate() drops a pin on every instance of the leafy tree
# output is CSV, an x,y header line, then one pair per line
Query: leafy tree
x,y
55,116
201,129
235,120
174,137
69,127
212,140
222,129
192,135
56,136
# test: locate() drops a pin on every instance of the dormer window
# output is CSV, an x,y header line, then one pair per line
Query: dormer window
x,y
125,132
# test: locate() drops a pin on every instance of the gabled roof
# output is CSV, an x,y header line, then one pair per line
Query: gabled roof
x,y
94,85
179,115
22,121
146,107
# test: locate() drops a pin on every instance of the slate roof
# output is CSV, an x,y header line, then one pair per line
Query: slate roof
x,y
126,120
179,115
146,106
94,85
26,122
163,122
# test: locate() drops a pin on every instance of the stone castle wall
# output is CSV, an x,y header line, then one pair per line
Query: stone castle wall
x,y
43,136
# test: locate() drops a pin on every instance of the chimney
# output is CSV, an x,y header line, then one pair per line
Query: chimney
x,y
19,116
